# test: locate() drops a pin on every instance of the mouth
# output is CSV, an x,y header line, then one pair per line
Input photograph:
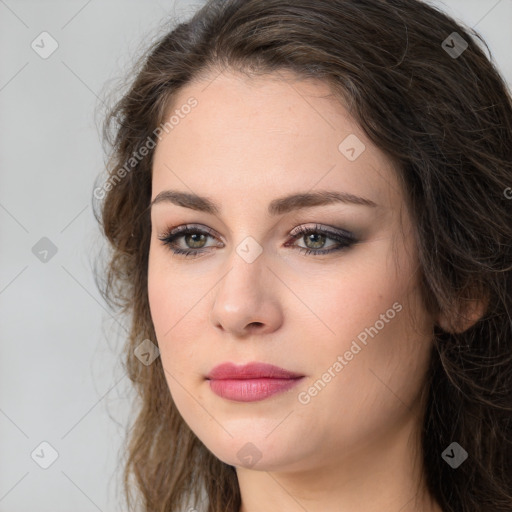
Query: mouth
x,y
251,382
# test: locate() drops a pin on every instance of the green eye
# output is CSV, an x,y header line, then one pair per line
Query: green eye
x,y
195,239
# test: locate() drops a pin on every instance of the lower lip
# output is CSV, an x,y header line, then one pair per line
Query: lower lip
x,y
251,390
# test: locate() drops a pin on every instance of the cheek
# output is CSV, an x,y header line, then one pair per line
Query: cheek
x,y
383,361
159,297
167,291
176,324
375,321
164,303
366,284
177,315
386,335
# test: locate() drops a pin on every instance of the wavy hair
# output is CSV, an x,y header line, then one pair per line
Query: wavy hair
x,y
444,115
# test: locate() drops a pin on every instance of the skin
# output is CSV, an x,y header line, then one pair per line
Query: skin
x,y
355,445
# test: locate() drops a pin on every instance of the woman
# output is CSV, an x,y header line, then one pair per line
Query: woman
x,y
308,210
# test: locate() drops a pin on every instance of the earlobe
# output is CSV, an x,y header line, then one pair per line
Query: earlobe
x,y
465,315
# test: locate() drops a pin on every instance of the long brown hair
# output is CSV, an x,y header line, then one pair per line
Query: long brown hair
x,y
435,104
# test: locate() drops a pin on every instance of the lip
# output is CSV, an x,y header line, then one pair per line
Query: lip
x,y
250,371
251,382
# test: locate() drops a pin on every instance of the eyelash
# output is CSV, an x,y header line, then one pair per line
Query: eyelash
x,y
346,240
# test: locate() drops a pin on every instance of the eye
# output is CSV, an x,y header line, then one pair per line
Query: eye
x,y
193,236
314,236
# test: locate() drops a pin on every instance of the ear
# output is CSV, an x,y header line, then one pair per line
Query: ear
x,y
464,315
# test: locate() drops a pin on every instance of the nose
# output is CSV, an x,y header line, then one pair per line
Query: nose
x,y
247,298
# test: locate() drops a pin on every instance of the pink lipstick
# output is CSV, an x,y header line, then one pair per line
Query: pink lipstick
x,y
250,382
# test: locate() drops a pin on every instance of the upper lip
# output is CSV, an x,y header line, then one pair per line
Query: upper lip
x,y
250,371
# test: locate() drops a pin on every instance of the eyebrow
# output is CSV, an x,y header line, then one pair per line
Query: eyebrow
x,y
278,206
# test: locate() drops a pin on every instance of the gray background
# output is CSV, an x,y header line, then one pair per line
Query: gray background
x,y
61,381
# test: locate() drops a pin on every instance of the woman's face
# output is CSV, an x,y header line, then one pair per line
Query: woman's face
x,y
348,319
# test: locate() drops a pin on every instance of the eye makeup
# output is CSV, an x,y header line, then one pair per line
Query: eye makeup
x,y
194,234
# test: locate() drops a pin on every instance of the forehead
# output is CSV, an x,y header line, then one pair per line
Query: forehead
x,y
268,133
279,102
